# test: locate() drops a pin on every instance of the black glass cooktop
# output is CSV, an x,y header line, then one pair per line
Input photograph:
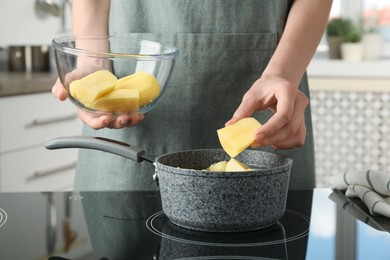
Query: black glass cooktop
x,y
132,225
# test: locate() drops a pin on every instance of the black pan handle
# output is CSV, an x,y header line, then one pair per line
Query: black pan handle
x,y
98,143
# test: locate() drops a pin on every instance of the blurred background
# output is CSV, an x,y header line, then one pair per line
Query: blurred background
x,y
350,83
349,80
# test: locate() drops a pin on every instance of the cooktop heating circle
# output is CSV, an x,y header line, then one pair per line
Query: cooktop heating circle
x,y
3,217
155,223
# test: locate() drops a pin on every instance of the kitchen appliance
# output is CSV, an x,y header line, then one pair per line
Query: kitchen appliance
x,y
131,225
40,58
17,58
208,201
29,58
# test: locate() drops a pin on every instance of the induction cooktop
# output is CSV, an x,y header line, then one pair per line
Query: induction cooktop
x,y
132,225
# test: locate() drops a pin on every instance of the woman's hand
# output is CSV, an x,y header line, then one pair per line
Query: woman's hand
x,y
277,88
84,22
286,128
99,121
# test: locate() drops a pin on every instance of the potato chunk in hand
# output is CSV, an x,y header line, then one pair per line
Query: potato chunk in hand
x,y
236,137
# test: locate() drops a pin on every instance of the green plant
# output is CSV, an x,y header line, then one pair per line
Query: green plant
x,y
353,36
345,29
338,27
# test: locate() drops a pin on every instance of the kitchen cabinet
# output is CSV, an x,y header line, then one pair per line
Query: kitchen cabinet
x,y
350,123
26,123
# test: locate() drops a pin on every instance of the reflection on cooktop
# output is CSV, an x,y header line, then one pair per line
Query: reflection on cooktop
x,y
3,217
160,225
181,243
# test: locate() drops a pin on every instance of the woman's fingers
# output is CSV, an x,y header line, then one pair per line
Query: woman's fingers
x,y
129,120
293,131
255,99
94,121
281,140
296,140
102,121
247,107
285,111
59,91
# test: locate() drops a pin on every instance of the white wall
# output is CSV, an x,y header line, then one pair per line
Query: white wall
x,y
20,25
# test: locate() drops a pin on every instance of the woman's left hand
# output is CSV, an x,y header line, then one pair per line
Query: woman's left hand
x,y
286,128
94,121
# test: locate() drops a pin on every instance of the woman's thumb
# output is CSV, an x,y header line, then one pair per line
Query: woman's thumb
x,y
246,109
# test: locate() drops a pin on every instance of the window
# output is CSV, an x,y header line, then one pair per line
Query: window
x,y
336,9
376,14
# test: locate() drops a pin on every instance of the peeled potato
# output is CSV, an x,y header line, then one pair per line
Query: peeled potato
x,y
235,165
101,90
119,100
236,137
90,88
218,166
126,78
147,84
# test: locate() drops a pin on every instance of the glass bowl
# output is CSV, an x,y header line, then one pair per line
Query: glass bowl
x,y
113,74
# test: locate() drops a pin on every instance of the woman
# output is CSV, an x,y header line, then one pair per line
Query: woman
x,y
236,58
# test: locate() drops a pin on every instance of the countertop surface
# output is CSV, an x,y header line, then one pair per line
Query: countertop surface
x,y
368,69
21,83
132,225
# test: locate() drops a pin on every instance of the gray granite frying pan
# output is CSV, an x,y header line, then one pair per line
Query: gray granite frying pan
x,y
208,201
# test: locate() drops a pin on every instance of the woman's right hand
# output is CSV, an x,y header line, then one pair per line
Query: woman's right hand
x,y
99,121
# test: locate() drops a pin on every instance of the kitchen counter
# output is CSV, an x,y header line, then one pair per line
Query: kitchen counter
x,y
370,69
21,83
318,224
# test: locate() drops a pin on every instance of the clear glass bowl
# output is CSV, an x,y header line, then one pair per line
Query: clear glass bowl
x,y
119,56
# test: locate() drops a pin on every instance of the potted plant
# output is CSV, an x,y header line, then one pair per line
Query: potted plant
x,y
352,47
336,30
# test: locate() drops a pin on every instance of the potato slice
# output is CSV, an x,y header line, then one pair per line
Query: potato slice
x,y
235,165
147,84
126,78
236,137
218,166
92,87
119,100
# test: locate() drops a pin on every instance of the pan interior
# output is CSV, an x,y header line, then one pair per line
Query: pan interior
x,y
202,159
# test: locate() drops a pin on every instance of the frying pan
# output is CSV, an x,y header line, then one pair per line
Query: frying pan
x,y
200,200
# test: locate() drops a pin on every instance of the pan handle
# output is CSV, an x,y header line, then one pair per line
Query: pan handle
x,y
98,143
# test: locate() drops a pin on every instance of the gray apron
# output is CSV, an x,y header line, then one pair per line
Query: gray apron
x,y
224,47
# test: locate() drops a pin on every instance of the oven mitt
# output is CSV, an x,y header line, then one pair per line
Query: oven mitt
x,y
372,187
